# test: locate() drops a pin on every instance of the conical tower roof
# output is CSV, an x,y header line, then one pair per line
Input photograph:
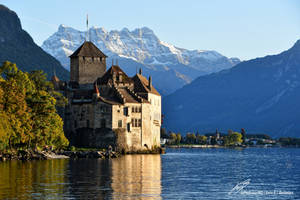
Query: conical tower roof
x,y
88,49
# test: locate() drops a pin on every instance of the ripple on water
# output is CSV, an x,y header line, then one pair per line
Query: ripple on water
x,y
179,174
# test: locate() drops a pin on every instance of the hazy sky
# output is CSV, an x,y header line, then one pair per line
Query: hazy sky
x,y
235,28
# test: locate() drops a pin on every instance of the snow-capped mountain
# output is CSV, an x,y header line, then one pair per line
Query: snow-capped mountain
x,y
142,46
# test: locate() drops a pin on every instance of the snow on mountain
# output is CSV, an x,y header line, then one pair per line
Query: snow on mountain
x,y
142,46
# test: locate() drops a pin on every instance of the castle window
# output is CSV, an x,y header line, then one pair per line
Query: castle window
x,y
125,112
136,122
136,109
103,123
128,127
83,58
87,123
120,123
102,108
75,124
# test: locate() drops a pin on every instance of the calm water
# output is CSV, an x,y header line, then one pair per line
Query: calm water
x,y
179,174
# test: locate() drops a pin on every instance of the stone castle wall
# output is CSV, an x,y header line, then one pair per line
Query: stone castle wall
x,y
86,70
99,124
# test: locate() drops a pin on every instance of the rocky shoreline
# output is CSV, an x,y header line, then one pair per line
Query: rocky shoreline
x,y
63,154
44,155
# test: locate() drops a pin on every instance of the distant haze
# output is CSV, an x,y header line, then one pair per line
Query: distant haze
x,y
243,29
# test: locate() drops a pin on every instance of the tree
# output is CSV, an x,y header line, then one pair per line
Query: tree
x,y
48,126
190,138
233,139
163,133
173,138
5,131
202,139
178,138
5,128
230,132
16,85
213,140
27,105
243,132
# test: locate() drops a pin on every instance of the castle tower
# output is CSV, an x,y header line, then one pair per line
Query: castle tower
x,y
87,64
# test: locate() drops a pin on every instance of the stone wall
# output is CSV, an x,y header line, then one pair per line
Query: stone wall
x,y
131,134
99,124
74,69
94,138
155,115
87,69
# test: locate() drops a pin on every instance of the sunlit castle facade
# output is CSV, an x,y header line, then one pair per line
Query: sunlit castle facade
x,y
106,107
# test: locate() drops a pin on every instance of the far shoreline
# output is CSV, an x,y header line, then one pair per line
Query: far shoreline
x,y
196,146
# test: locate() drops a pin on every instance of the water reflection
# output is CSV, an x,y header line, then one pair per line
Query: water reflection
x,y
89,179
128,177
32,180
136,177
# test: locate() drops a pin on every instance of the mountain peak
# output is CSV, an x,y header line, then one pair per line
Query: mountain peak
x,y
9,21
143,30
141,46
61,28
4,8
297,44
18,47
146,29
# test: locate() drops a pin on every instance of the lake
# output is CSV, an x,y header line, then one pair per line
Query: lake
x,y
252,173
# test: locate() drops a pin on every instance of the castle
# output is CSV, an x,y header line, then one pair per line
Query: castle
x,y
106,107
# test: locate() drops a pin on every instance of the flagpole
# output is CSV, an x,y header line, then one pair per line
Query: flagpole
x,y
87,28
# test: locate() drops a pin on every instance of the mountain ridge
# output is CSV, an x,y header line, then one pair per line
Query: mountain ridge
x,y
18,47
143,47
261,95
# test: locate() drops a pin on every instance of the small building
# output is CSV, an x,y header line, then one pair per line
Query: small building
x,y
107,107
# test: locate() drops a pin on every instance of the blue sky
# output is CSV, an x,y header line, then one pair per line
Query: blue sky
x,y
236,28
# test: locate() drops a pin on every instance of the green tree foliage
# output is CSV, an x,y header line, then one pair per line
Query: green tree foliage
x,y
27,110
173,138
190,138
163,133
243,132
201,139
178,138
287,141
233,139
